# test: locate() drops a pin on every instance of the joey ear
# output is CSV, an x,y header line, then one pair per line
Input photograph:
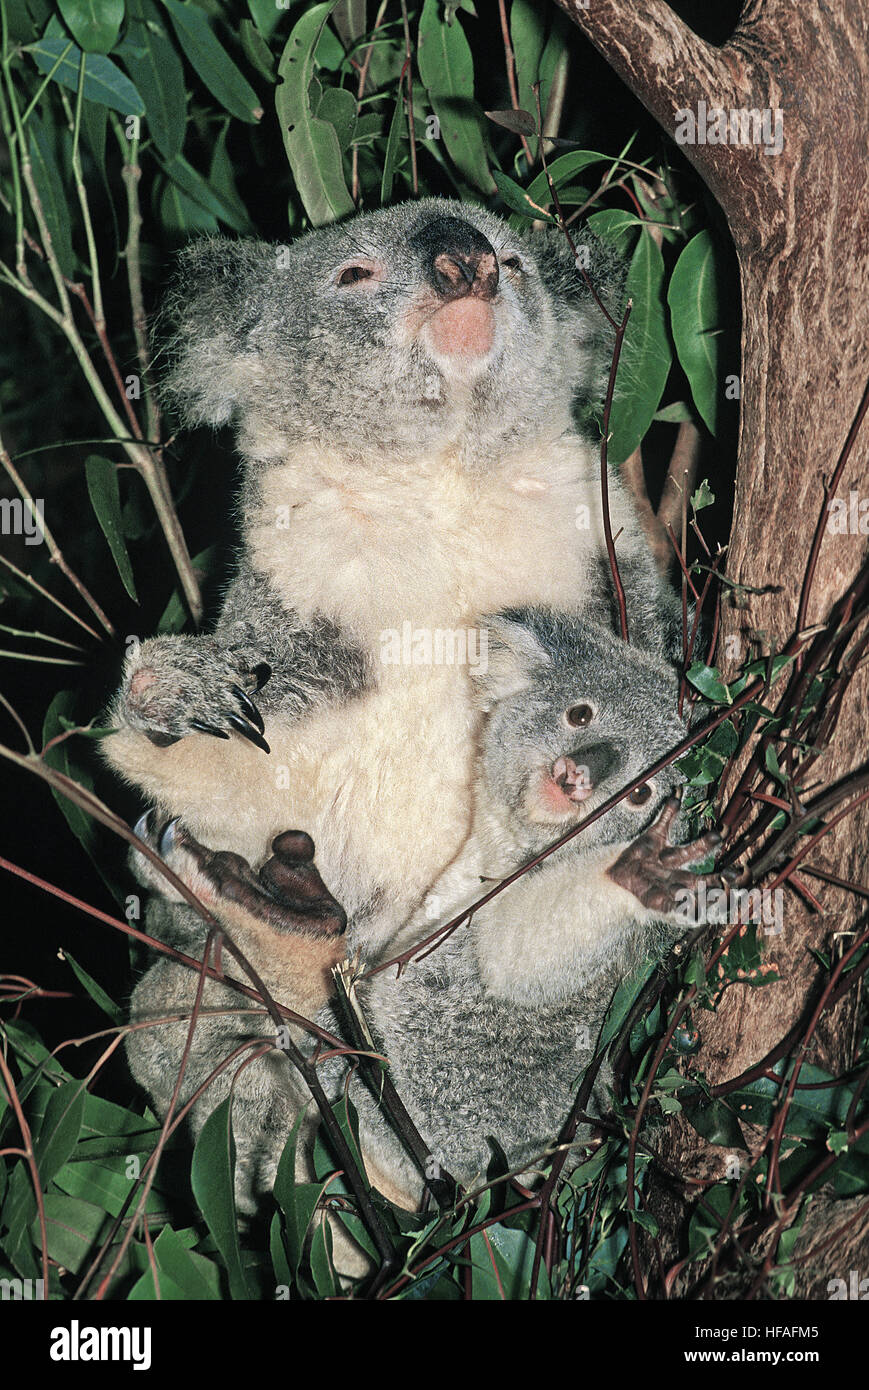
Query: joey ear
x,y
509,653
202,336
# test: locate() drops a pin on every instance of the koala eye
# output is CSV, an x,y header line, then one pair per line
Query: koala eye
x,y
512,263
579,715
640,796
356,272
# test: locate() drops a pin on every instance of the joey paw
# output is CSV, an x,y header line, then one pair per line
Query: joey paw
x,y
286,893
197,689
658,873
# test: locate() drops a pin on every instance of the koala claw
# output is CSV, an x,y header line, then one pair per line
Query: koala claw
x,y
203,728
657,873
248,708
253,735
174,692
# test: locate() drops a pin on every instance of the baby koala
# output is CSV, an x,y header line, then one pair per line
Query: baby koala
x,y
488,1036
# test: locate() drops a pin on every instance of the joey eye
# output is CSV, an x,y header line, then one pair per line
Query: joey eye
x,y
640,796
354,274
512,263
579,715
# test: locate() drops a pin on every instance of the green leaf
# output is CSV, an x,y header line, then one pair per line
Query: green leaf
x,y
221,180
350,20
19,1212
192,1276
623,1000
267,15
21,27
312,145
73,1228
528,24
716,1122
559,171
183,215
446,67
151,59
707,680
212,1175
502,1261
322,1263
338,107
96,992
212,62
393,142
702,497
174,615
516,198
81,825
257,51
60,1129
104,492
202,192
813,1112
103,80
94,24
51,193
103,1185
709,1217
694,317
645,360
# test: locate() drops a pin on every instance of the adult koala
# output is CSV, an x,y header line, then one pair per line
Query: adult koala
x,y
405,389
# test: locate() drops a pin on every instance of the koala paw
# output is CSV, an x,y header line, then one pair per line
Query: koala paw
x,y
287,894
657,873
193,689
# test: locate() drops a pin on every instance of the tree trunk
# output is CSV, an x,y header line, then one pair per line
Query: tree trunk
x,y
800,225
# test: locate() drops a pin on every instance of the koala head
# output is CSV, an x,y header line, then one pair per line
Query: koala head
x,y
427,326
574,715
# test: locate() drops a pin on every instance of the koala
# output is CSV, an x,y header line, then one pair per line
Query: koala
x,y
489,1034
405,390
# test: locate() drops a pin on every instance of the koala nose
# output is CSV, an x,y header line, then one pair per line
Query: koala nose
x,y
458,259
596,761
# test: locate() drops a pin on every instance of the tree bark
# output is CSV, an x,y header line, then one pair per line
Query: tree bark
x,y
800,226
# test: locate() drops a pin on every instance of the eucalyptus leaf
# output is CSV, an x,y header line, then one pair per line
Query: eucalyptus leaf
x,y
51,192
104,492
60,1129
153,63
446,66
212,62
312,145
103,80
94,24
212,1175
645,359
695,321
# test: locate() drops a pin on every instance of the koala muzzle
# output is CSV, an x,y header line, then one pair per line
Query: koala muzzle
x,y
586,769
458,259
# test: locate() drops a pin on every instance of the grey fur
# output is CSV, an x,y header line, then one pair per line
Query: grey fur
x,y
265,338
472,1057
239,311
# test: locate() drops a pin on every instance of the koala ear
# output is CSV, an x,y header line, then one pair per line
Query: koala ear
x,y
202,335
509,654
593,337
